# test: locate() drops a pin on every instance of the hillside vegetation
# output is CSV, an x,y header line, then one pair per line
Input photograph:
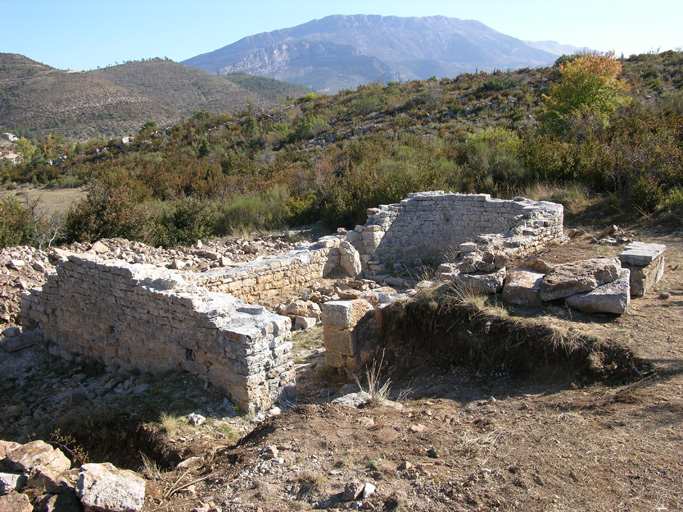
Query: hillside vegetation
x,y
36,100
580,129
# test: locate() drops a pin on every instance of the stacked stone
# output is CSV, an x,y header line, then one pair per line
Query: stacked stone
x,y
342,341
140,316
646,263
256,281
427,226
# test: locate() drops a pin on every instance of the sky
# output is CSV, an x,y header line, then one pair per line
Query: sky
x,y
85,34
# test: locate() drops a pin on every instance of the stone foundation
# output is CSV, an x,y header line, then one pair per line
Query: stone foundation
x,y
157,319
430,226
143,317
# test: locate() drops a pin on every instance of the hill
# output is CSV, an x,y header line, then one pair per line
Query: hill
x,y
178,87
36,99
268,88
343,51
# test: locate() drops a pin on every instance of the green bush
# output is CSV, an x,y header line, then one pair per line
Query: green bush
x,y
16,227
187,221
254,212
108,211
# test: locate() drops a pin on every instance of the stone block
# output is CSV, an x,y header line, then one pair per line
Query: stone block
x,y
334,360
339,340
643,278
343,314
523,287
105,487
641,253
491,282
612,297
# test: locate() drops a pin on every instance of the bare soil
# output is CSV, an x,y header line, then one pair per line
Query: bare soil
x,y
467,440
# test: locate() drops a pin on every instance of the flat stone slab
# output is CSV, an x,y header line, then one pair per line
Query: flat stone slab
x,y
578,276
613,297
523,287
641,253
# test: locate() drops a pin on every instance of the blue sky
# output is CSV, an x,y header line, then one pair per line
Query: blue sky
x,y
84,34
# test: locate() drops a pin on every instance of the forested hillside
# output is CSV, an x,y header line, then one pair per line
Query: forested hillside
x,y
580,129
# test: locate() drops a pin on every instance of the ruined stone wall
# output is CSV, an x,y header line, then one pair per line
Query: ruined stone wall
x,y
426,226
272,276
141,316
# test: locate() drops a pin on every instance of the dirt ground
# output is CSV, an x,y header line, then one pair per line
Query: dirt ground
x,y
466,441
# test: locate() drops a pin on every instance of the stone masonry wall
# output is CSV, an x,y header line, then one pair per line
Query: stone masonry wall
x,y
428,225
268,277
141,316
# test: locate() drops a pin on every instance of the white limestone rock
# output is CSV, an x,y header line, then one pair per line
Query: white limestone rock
x,y
105,488
523,287
613,297
578,276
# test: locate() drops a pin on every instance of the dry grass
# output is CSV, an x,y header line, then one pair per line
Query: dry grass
x,y
50,202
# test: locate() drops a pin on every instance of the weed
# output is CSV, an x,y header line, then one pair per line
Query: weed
x,y
310,483
171,423
149,468
375,388
374,463
66,443
306,340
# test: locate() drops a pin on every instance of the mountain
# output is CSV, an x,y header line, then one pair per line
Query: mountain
x,y
344,51
556,48
36,99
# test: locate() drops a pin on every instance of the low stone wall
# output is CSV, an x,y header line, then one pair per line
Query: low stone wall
x,y
141,316
427,226
272,276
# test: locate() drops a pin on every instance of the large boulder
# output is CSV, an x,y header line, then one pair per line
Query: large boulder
x,y
43,464
105,488
349,259
579,276
523,287
612,297
21,341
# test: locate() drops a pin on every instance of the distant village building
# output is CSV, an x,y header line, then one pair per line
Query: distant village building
x,y
10,137
15,158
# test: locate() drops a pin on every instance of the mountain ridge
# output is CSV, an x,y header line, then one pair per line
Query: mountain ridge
x,y
403,48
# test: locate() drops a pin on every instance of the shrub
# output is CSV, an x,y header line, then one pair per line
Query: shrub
x,y
248,212
108,211
16,227
187,221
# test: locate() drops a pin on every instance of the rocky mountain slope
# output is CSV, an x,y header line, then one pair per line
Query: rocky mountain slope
x,y
343,51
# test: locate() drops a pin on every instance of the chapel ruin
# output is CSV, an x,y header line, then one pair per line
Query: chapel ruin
x,y
140,316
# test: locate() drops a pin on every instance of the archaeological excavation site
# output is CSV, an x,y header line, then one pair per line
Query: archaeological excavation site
x,y
449,296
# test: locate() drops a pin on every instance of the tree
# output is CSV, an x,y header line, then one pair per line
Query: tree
x,y
25,149
589,87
